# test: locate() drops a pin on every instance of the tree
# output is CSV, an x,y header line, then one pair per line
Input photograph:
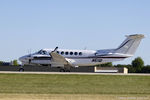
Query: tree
x,y
119,65
109,64
137,64
1,62
146,69
15,62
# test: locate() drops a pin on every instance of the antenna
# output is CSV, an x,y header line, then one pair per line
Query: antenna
x,y
85,48
29,51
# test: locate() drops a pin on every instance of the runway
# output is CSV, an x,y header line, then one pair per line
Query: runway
x,y
68,73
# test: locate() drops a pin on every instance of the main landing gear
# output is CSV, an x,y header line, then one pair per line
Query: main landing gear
x,y
64,70
21,70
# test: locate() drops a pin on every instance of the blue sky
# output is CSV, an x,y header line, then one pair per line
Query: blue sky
x,y
72,24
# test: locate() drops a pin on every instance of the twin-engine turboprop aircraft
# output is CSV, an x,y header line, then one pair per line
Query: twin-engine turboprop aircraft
x,y
65,59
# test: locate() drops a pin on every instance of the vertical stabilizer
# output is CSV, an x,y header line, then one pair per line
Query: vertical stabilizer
x,y
130,44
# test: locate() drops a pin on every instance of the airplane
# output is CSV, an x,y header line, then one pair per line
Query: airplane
x,y
65,59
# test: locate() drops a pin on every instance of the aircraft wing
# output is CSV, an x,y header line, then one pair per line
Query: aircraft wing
x,y
58,58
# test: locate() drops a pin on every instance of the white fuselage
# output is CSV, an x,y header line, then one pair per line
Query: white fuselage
x,y
75,57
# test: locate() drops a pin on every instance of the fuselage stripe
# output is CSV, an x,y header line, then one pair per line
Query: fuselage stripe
x,y
49,58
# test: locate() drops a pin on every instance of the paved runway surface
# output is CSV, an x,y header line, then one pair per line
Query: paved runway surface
x,y
77,73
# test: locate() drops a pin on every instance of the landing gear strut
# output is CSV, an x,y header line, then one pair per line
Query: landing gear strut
x,y
21,69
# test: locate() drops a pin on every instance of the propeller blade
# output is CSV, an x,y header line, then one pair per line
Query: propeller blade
x,y
55,49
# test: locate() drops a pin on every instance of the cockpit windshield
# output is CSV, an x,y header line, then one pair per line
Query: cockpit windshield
x,y
42,52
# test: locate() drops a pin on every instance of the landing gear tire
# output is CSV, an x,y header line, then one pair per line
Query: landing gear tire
x,y
21,70
67,70
62,70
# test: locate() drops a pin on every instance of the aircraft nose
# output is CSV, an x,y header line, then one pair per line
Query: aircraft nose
x,y
26,58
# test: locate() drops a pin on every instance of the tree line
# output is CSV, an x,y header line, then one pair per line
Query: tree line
x,y
14,62
136,66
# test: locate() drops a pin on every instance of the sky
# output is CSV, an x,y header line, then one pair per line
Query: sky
x,y
30,25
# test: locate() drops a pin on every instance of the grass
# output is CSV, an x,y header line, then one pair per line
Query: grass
x,y
74,84
71,97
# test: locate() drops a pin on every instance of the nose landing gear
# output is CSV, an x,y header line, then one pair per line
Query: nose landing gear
x,y
29,61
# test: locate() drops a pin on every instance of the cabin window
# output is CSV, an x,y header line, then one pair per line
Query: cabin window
x,y
62,53
66,53
80,53
58,52
44,52
71,53
75,53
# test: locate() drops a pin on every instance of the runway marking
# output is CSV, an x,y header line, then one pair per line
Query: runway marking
x,y
68,73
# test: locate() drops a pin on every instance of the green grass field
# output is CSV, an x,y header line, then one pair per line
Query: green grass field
x,y
94,85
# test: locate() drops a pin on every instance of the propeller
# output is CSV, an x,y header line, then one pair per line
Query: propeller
x,y
55,49
30,57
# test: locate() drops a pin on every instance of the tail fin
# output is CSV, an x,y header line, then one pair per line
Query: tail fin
x,y
130,44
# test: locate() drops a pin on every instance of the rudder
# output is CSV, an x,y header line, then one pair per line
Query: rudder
x,y
130,44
